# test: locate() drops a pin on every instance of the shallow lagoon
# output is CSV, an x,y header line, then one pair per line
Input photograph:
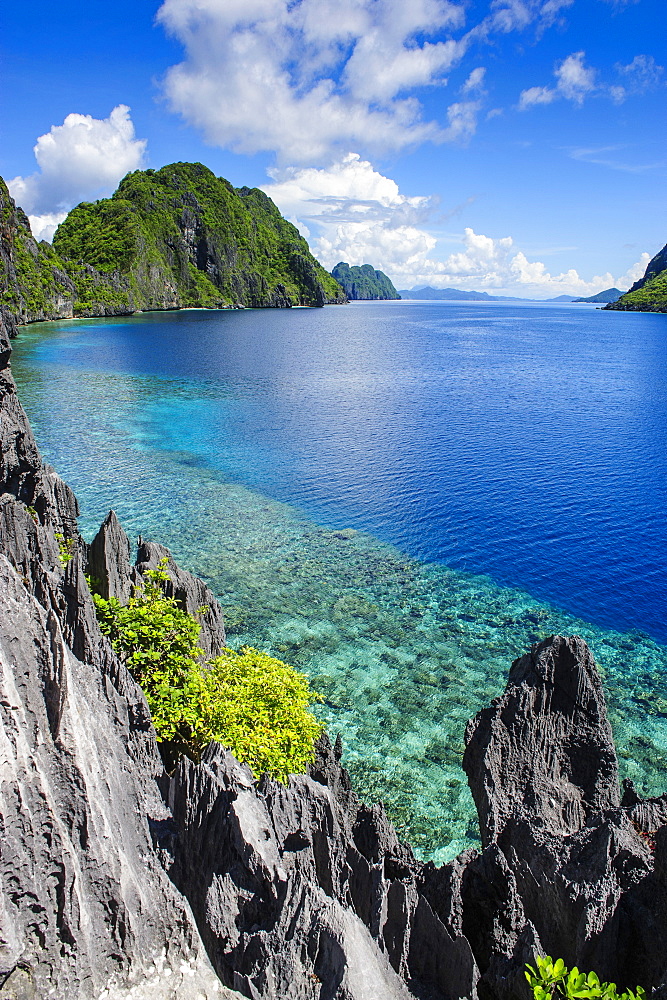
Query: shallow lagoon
x,y
344,477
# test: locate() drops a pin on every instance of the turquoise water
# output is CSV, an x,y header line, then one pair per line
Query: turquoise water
x,y
342,477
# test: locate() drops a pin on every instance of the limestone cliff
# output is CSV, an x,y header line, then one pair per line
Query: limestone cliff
x,y
166,239
34,284
181,236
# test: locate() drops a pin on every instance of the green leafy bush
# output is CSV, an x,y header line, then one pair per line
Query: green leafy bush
x,y
258,707
253,704
552,980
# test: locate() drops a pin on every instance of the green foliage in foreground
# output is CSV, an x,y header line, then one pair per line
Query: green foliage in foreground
x,y
253,704
552,980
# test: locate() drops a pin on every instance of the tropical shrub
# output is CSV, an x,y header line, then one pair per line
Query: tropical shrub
x,y
553,980
258,707
255,705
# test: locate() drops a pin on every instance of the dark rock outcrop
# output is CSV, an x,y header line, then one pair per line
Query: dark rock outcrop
x,y
303,892
109,564
543,753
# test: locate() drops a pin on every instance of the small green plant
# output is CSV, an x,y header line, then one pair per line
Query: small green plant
x,y
253,704
258,707
553,981
33,513
65,548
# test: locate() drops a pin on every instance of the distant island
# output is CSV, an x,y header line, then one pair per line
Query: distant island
x,y
364,282
649,294
608,295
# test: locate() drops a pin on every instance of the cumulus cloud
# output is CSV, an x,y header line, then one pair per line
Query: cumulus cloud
x,y
640,75
307,79
475,81
44,226
354,213
83,158
302,78
536,95
358,213
499,266
574,81
634,273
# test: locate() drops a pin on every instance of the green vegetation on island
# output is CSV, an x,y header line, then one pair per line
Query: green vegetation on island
x,y
649,294
181,236
250,702
364,282
166,239
34,283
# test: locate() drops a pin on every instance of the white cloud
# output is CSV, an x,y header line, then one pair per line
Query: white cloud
x,y
350,185
304,78
309,79
640,75
536,95
633,273
44,226
462,121
475,81
574,81
499,267
356,214
84,157
603,156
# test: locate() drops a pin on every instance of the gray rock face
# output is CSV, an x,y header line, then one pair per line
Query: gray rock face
x,y
301,891
86,909
543,752
108,562
564,865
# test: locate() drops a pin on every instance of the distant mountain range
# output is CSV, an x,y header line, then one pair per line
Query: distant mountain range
x,y
608,295
458,294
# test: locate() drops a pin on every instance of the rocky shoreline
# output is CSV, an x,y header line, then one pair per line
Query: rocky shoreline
x,y
120,880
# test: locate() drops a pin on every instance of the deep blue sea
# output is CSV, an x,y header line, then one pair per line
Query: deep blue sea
x,y
397,497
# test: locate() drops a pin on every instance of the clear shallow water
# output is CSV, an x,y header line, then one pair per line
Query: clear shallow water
x,y
398,498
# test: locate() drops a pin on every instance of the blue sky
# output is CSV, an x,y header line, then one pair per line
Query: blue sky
x,y
513,146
